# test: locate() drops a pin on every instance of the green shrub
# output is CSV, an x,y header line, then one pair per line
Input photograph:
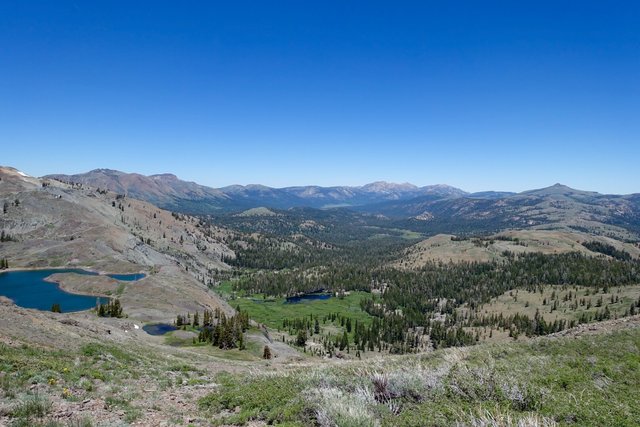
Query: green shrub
x,y
275,399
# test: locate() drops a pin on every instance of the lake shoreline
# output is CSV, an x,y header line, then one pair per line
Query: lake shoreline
x,y
90,269
94,286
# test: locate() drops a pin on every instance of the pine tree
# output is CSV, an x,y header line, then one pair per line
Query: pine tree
x,y
196,320
301,338
241,345
344,342
266,353
116,309
217,334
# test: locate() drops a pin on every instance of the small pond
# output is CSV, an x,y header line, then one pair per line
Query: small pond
x,y
159,328
307,297
29,289
128,277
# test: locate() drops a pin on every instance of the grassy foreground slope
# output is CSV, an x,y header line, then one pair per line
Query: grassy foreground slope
x,y
587,377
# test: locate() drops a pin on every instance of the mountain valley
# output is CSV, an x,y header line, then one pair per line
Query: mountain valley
x,y
408,304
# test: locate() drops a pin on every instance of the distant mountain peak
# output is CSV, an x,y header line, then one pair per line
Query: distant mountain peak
x,y
168,176
106,172
441,186
444,190
556,189
384,186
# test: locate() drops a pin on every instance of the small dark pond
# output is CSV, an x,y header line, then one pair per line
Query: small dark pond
x,y
158,328
307,297
29,289
127,277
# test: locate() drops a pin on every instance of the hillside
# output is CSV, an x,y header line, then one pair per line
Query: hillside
x,y
447,248
74,379
164,190
52,224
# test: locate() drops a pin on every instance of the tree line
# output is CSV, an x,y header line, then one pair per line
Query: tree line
x,y
411,305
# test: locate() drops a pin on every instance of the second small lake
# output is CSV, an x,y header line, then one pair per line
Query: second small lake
x,y
159,328
307,297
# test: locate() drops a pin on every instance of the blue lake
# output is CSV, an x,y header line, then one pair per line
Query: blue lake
x,y
29,289
307,297
158,328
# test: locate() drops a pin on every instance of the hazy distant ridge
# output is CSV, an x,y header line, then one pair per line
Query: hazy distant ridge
x,y
431,208
168,191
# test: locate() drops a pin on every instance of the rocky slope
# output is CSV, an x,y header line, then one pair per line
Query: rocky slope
x,y
53,224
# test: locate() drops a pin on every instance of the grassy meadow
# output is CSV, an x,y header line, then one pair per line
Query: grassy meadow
x,y
272,311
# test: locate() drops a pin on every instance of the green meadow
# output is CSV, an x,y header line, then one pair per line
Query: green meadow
x,y
272,311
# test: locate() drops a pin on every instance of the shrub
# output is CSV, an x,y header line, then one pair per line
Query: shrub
x,y
32,406
266,354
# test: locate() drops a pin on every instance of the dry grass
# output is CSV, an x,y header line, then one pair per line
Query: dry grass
x,y
442,248
498,418
527,303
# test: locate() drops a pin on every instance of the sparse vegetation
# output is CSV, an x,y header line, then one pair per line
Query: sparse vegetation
x,y
473,386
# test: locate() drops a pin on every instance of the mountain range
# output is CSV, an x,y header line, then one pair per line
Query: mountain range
x,y
429,209
169,192
554,207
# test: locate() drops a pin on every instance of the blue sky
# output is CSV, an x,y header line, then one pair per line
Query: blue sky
x,y
479,95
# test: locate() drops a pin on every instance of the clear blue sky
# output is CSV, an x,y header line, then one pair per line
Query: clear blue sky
x,y
507,95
